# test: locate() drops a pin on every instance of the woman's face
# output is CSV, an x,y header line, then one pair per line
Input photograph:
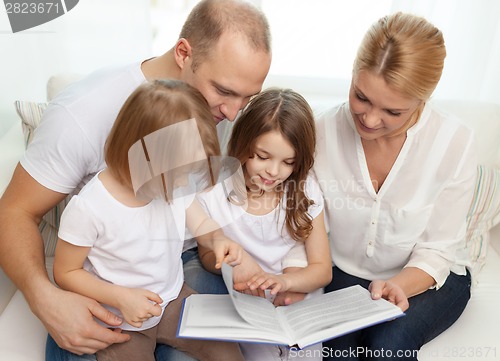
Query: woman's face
x,y
377,109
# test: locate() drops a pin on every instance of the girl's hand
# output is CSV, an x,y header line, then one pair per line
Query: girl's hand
x,y
263,281
138,305
289,297
226,251
389,291
243,272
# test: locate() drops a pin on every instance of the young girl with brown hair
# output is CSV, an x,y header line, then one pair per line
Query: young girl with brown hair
x,y
274,139
121,237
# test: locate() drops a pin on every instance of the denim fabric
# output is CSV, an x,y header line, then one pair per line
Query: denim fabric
x,y
195,276
198,278
429,314
54,353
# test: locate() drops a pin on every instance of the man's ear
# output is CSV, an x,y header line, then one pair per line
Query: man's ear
x,y
183,52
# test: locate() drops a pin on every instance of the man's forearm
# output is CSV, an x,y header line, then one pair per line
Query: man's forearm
x,y
22,254
22,206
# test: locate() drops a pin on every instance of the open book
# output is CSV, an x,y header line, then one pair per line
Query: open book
x,y
246,318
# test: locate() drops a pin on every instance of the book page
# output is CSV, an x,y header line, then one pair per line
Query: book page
x,y
241,317
213,317
255,310
332,310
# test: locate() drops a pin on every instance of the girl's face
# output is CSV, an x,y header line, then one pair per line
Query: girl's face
x,y
378,110
272,162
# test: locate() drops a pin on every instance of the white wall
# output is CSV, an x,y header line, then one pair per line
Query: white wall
x,y
95,33
314,44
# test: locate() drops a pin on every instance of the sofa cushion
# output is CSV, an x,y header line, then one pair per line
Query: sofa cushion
x,y
57,83
30,114
484,214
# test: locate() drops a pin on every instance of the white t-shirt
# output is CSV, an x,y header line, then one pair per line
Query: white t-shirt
x,y
417,218
264,237
68,146
138,247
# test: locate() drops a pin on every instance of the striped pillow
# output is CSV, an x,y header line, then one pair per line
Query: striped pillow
x,y
484,214
31,114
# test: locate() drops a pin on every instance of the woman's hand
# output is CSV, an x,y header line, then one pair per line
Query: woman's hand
x,y
389,291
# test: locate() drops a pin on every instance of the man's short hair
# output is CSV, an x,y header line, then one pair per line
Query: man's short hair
x,y
209,19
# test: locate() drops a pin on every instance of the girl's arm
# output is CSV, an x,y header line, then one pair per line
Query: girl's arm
x,y
210,236
317,274
135,304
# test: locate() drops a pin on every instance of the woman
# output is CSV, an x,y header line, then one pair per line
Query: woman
x,y
398,178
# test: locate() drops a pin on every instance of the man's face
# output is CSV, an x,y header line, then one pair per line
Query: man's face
x,y
230,76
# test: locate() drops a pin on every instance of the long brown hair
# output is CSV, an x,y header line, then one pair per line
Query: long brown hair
x,y
289,113
152,106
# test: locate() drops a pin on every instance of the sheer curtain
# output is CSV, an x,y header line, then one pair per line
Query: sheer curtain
x,y
93,34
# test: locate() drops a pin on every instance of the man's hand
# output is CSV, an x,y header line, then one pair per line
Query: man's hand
x,y
68,317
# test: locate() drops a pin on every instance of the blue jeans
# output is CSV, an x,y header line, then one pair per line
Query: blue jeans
x,y
430,313
195,276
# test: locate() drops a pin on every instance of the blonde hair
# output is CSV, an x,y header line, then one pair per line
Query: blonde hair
x,y
288,112
408,52
209,19
152,106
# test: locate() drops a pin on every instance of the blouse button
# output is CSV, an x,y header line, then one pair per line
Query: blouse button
x,y
370,248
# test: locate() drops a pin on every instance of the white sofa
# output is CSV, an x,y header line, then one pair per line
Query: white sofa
x,y
475,336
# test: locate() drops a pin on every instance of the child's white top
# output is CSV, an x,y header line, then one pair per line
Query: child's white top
x,y
138,247
264,237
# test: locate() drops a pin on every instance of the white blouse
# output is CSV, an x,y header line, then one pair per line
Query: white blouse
x,y
264,237
417,218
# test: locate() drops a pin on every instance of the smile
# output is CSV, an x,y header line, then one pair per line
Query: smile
x,y
365,128
267,181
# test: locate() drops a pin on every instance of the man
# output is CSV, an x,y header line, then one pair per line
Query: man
x,y
223,51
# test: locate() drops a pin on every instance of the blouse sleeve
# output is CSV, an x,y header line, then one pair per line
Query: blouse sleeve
x,y
435,252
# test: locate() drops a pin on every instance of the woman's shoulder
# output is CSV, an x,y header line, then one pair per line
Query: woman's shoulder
x,y
338,111
446,127
335,120
442,118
